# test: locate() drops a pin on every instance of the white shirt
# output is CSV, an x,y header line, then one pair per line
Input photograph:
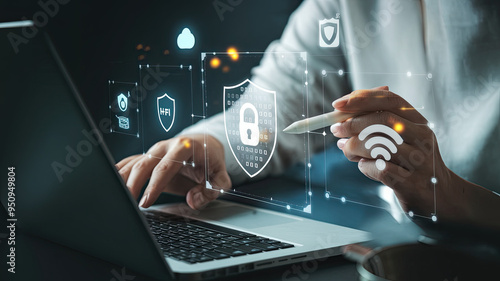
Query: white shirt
x,y
451,48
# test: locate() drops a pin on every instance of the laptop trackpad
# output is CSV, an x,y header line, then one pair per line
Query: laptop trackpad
x,y
244,217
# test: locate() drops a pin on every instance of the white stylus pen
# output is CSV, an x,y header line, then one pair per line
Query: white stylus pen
x,y
317,122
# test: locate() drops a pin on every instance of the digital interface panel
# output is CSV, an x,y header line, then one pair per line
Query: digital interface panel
x,y
382,141
252,127
123,110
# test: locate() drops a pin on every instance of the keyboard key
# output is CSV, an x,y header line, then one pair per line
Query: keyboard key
x,y
283,245
265,247
216,255
231,252
248,249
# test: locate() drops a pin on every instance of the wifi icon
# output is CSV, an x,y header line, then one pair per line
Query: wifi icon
x,y
379,140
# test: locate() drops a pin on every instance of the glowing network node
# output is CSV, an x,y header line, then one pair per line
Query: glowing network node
x,y
192,164
429,75
214,62
434,180
398,127
341,72
233,53
434,218
149,155
222,191
342,199
288,207
324,133
327,195
306,72
306,83
408,74
184,163
309,165
323,72
431,125
410,213
310,193
192,115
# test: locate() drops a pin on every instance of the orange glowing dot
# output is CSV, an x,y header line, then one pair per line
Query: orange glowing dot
x,y
147,48
398,127
141,57
225,69
233,53
215,62
139,47
166,52
187,144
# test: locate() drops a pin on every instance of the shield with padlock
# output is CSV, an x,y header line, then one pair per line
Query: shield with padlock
x,y
250,121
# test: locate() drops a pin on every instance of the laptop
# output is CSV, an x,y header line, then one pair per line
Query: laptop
x,y
50,133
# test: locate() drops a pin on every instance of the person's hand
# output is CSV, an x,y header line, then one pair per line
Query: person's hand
x,y
415,168
177,166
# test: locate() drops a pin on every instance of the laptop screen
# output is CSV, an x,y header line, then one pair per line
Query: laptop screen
x,y
66,188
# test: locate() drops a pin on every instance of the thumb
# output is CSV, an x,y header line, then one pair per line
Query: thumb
x,y
200,195
386,88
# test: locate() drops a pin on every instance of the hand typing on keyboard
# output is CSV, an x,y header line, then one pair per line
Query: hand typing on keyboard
x,y
177,166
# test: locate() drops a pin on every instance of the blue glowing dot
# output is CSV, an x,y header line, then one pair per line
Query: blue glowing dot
x,y
434,218
288,207
342,199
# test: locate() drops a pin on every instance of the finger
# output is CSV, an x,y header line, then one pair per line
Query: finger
x,y
404,155
390,175
127,168
409,131
165,170
378,100
140,173
124,161
221,179
199,196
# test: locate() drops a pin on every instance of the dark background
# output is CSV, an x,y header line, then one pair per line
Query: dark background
x,y
98,41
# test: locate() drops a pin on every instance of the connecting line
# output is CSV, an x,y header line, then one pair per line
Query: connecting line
x,y
128,83
262,201
420,216
198,116
377,73
172,160
123,133
356,202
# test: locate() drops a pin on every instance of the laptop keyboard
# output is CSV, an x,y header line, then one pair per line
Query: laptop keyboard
x,y
194,241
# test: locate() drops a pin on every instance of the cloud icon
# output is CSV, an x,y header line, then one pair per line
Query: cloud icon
x,y
185,40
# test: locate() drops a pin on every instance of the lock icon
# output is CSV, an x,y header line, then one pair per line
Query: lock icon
x,y
249,131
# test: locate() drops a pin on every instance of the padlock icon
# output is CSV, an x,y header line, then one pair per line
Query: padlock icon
x,y
249,131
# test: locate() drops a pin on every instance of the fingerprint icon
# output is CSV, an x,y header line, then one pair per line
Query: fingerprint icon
x,y
381,145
